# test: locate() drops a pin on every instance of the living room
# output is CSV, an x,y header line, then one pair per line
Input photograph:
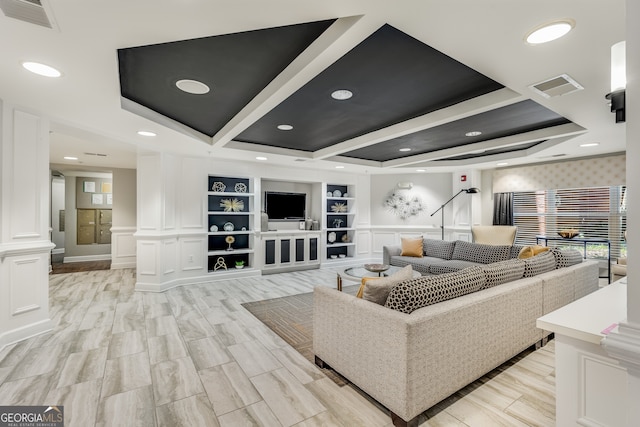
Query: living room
x,y
172,219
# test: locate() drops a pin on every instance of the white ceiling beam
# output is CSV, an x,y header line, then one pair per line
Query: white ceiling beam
x,y
342,36
493,158
565,130
471,107
267,149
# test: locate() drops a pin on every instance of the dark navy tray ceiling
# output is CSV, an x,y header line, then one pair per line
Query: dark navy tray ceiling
x,y
393,77
235,66
524,116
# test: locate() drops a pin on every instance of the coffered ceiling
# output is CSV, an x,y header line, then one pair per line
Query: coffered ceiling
x,y
434,84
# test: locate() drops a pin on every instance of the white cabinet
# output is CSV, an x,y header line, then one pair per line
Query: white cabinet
x,y
339,221
231,222
289,250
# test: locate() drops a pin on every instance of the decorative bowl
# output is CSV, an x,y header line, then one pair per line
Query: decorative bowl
x,y
568,233
376,268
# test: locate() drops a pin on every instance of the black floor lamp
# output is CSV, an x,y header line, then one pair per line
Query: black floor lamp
x,y
471,190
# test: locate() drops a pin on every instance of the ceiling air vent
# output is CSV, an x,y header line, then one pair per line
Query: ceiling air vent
x,y
556,86
30,11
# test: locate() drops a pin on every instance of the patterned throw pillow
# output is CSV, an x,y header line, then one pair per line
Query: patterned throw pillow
x,y
477,252
376,289
503,272
411,246
438,248
539,264
566,257
515,251
413,294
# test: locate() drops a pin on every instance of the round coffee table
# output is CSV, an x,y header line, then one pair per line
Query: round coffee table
x,y
357,273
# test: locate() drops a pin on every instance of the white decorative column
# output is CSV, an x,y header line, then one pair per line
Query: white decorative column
x,y
624,345
171,232
24,224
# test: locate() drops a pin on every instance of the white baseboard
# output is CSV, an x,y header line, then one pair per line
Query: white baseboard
x,y
57,251
25,332
84,258
121,265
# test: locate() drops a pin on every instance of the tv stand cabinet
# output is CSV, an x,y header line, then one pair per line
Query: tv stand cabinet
x,y
290,250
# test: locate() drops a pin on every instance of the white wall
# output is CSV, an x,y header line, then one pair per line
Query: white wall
x,y
123,243
57,205
432,189
25,244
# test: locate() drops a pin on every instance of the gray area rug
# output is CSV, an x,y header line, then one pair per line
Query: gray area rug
x,y
291,318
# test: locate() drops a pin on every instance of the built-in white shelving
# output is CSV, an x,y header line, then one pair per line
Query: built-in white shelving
x,y
230,222
339,221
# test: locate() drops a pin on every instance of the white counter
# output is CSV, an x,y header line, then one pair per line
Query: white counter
x,y
589,318
591,387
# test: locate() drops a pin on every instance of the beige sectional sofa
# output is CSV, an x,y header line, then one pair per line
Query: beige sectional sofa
x,y
410,362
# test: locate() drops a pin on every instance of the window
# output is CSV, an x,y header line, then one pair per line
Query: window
x,y
597,212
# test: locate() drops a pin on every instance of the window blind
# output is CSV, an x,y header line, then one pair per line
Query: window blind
x,y
597,212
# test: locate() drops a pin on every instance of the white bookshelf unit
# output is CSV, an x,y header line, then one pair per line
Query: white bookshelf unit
x,y
339,221
231,234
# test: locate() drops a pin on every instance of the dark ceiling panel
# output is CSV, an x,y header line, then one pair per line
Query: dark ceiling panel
x,y
393,77
235,66
524,116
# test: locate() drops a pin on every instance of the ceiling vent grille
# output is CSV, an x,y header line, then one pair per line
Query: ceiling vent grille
x,y
556,86
30,11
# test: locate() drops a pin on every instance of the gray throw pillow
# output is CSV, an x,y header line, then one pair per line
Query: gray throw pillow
x,y
539,264
566,257
481,253
438,248
377,290
503,272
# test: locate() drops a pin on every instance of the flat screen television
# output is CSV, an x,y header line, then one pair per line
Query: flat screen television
x,y
284,205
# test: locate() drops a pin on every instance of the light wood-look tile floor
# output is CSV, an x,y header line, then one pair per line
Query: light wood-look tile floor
x,y
193,356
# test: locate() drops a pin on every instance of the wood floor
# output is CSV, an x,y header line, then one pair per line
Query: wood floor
x,y
193,356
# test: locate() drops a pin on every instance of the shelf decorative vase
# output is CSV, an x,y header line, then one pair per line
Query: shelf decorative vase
x,y
264,221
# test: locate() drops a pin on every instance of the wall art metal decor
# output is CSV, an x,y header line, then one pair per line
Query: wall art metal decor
x,y
339,207
232,205
218,186
404,205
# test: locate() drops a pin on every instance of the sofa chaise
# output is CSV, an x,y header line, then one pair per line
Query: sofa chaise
x,y
410,362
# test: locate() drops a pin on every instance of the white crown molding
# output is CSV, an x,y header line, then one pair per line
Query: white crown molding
x,y
624,345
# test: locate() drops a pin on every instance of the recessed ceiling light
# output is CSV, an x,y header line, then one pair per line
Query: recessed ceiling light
x,y
549,31
421,170
590,144
502,164
342,94
192,86
70,158
339,167
146,133
261,158
41,69
405,149
473,133
285,127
